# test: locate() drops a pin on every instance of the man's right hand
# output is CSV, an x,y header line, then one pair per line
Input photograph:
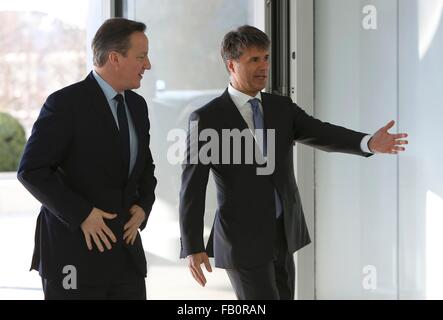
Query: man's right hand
x,y
94,227
194,262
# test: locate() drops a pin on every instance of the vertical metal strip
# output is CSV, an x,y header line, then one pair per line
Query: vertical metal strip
x,y
398,158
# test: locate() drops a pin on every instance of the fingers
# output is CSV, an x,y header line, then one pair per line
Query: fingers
x,y
127,234
101,234
398,143
131,223
401,142
130,235
137,217
399,136
109,233
104,240
88,240
99,237
207,264
130,231
131,227
197,278
97,242
94,227
394,150
198,275
109,216
194,265
389,125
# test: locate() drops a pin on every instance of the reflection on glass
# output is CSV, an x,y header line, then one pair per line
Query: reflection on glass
x,y
42,49
187,72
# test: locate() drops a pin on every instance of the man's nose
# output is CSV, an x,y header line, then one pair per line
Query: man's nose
x,y
147,65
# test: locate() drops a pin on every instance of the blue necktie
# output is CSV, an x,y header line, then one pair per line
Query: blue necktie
x,y
261,141
123,134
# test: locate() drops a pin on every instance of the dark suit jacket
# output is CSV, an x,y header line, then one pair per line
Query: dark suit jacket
x,y
244,226
71,164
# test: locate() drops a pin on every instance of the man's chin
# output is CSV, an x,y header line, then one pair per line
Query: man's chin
x,y
260,87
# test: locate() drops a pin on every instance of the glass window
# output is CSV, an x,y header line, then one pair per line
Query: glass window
x,y
356,70
187,72
43,47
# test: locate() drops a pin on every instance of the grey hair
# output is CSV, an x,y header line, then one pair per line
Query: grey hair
x,y
114,35
234,42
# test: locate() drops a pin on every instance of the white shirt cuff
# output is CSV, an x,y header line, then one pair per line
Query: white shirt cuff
x,y
364,143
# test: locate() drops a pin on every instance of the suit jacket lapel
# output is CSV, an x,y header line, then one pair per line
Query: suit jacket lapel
x,y
269,115
102,107
110,134
234,118
233,115
136,120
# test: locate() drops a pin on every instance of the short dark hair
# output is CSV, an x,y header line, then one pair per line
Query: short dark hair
x,y
114,35
234,42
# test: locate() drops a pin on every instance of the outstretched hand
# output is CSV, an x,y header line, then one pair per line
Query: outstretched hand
x,y
384,142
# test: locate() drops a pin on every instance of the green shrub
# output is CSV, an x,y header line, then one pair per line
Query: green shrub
x,y
12,142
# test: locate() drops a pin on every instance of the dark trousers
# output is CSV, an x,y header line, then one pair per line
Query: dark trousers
x,y
130,290
272,281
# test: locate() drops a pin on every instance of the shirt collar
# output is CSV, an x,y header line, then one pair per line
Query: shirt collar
x,y
239,98
109,91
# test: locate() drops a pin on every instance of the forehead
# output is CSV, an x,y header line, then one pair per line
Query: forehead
x,y
255,52
139,40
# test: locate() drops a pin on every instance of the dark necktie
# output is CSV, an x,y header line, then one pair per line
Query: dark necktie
x,y
123,134
262,143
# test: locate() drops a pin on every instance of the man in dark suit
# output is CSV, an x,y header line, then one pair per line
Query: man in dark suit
x,y
88,162
259,222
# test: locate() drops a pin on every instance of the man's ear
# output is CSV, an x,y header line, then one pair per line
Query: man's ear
x,y
230,64
113,58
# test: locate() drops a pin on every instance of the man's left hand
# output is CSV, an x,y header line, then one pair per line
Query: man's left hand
x,y
384,142
131,228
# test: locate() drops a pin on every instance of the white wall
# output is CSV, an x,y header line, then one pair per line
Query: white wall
x,y
356,198
420,170
385,211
